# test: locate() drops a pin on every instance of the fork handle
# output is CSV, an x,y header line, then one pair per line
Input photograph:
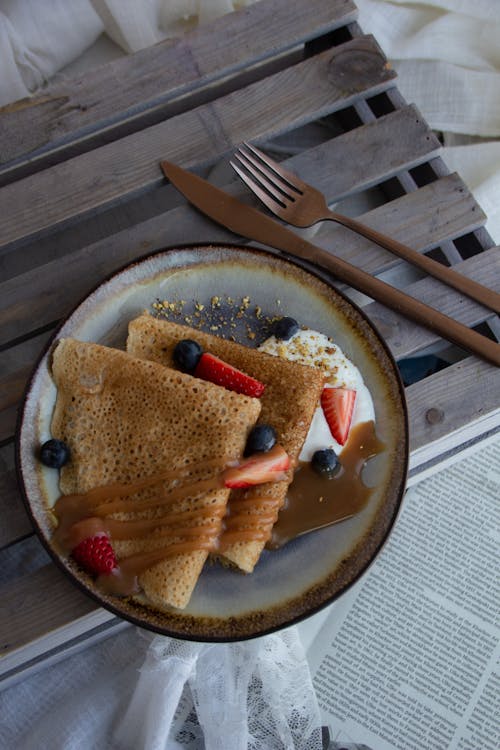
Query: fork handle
x,y
393,298
487,297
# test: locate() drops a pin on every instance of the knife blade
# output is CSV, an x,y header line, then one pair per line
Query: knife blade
x,y
248,222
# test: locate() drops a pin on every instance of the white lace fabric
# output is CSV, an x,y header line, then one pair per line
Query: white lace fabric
x,y
248,695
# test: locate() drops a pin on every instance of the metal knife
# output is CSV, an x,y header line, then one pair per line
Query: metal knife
x,y
250,223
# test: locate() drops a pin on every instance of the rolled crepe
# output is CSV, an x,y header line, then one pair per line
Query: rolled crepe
x,y
288,403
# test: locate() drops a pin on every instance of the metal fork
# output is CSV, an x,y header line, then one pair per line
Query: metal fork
x,y
302,205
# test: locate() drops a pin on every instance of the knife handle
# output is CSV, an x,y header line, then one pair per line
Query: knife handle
x,y
401,302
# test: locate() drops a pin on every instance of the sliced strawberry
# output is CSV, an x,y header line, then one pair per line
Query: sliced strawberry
x,y
258,469
96,555
338,405
219,372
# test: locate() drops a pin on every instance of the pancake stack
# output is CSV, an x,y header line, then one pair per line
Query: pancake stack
x,y
291,395
125,419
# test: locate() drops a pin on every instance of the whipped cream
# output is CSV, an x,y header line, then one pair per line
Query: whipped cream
x,y
311,348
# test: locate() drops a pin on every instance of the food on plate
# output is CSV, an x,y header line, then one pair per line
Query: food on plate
x,y
261,439
345,401
338,406
325,462
187,354
54,453
288,401
147,442
328,484
284,328
189,445
215,370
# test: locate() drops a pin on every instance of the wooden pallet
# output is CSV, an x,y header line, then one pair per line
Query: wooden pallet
x,y
82,194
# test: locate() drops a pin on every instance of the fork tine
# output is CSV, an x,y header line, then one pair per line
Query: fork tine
x,y
264,179
288,177
255,187
273,176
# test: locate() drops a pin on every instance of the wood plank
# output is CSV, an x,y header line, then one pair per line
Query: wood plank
x,y
346,164
41,610
15,522
17,364
451,408
130,166
436,212
151,79
367,155
46,652
440,211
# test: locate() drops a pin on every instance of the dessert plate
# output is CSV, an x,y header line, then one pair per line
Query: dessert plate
x,y
234,290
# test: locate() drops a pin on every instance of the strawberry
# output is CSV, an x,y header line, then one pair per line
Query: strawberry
x,y
216,371
96,555
338,405
258,469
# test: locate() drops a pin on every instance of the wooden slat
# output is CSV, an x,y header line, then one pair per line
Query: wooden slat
x,y
123,91
15,523
41,610
423,219
451,408
17,364
129,166
335,167
368,155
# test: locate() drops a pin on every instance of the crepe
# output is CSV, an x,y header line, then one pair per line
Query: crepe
x,y
125,419
288,403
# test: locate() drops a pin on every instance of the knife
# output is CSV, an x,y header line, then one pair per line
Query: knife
x,y
250,223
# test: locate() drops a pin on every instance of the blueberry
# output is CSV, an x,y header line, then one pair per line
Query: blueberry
x,y
54,453
285,328
261,439
325,462
187,354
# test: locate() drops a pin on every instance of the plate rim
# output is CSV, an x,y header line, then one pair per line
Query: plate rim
x,y
323,276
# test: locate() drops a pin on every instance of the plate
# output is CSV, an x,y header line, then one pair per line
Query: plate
x,y
308,573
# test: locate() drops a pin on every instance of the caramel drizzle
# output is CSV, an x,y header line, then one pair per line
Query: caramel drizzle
x,y
204,529
245,520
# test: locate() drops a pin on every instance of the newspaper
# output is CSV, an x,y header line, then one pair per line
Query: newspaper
x,y
408,659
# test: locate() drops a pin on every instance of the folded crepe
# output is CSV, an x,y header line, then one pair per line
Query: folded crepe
x,y
126,419
288,403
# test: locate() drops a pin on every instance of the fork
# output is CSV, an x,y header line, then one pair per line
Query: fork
x,y
301,205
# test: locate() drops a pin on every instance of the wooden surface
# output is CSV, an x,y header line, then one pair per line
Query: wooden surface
x,y
82,195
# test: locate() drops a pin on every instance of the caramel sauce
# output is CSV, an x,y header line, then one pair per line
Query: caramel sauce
x,y
84,515
314,501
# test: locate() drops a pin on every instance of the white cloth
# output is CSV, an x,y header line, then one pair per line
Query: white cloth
x,y
247,696
39,37
447,57
138,692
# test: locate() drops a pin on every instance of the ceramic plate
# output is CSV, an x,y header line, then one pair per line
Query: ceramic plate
x,y
313,570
